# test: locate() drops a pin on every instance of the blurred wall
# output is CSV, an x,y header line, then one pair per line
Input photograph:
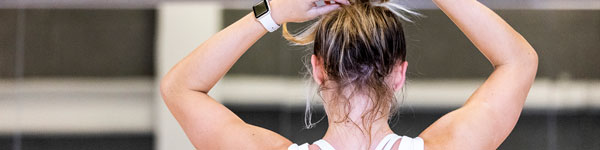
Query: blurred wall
x,y
79,43
181,27
86,80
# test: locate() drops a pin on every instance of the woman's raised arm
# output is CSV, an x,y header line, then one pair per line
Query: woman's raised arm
x,y
207,123
490,114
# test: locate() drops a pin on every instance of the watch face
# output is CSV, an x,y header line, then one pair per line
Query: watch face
x,y
260,9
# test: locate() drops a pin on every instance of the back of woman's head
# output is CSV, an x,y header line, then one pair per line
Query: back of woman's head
x,y
358,47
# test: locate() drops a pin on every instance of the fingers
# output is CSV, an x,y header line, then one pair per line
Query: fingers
x,y
320,3
317,11
345,2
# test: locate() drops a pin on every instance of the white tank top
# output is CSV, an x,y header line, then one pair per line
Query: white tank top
x,y
386,143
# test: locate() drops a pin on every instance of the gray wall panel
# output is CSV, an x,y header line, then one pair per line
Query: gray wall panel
x,y
567,41
89,42
72,42
8,28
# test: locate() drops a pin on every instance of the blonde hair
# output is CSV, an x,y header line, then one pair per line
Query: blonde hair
x,y
358,45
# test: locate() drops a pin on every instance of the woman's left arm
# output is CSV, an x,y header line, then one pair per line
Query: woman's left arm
x,y
207,123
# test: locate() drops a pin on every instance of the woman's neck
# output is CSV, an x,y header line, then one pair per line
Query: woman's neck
x,y
352,135
348,132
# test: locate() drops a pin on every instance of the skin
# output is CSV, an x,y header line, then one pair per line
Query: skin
x,y
483,122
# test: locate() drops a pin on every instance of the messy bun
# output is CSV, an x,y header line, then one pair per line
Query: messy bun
x,y
307,35
359,45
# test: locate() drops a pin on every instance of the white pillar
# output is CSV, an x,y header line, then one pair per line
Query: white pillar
x,y
182,26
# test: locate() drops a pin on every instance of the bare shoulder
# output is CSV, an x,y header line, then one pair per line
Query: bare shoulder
x,y
471,127
210,125
250,137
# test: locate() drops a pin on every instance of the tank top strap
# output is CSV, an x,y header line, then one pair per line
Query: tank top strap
x,y
387,142
408,143
323,145
296,147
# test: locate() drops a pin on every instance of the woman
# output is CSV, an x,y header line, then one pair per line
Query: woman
x,y
358,62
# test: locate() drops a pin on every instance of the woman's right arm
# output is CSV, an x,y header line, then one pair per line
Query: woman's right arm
x,y
490,114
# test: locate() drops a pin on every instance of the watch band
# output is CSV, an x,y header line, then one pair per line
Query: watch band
x,y
268,22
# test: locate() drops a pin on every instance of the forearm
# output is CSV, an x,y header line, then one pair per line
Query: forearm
x,y
200,70
495,38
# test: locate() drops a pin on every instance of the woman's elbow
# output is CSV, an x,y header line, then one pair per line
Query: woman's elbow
x,y
528,63
526,59
167,87
531,59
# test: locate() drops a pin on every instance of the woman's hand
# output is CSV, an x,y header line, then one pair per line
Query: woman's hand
x,y
300,10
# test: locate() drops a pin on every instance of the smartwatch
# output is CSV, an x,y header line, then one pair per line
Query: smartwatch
x,y
262,12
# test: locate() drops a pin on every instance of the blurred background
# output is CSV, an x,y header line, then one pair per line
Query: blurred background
x,y
82,74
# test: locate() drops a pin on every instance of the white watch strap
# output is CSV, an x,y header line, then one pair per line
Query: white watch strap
x,y
268,22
